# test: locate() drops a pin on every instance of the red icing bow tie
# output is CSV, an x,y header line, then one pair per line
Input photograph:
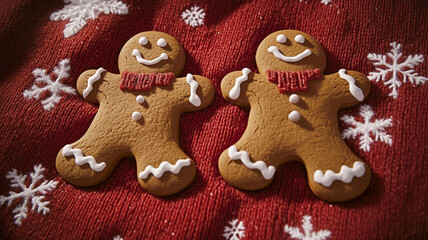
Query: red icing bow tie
x,y
144,81
292,82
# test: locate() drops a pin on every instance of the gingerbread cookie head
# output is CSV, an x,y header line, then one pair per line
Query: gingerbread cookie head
x,y
152,52
290,50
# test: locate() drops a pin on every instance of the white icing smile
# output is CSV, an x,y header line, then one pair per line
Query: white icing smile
x,y
280,56
137,54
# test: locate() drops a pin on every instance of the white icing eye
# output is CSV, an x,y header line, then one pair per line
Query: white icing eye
x,y
281,38
161,42
143,41
299,39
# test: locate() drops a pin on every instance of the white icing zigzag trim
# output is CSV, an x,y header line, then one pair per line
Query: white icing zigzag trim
x,y
355,91
236,90
267,172
194,98
346,174
137,54
164,167
80,159
91,81
275,51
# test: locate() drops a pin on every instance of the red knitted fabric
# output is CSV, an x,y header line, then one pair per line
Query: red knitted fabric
x,y
292,82
46,45
144,81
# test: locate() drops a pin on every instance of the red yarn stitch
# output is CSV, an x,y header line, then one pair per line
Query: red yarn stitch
x,y
291,82
144,81
393,207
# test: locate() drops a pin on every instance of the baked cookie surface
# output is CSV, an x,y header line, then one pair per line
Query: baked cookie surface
x,y
138,116
293,117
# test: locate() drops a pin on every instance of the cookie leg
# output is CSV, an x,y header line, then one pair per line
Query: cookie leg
x,y
165,169
335,173
90,160
244,167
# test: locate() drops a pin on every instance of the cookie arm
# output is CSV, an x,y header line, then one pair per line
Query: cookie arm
x,y
89,84
195,92
348,87
236,87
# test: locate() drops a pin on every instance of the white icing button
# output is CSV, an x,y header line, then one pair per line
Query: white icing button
x,y
143,41
140,99
294,116
294,98
281,38
136,116
161,42
299,39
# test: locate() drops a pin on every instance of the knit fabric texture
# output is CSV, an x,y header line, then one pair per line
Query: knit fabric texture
x,y
46,45
144,81
291,82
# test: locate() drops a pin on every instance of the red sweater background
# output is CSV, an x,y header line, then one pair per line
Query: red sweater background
x,y
393,207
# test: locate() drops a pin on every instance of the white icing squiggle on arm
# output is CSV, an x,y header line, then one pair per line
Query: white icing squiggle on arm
x,y
346,174
236,90
355,91
275,51
164,167
91,81
80,159
194,98
267,172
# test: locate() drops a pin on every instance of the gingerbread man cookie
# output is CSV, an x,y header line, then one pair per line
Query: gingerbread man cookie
x,y
138,116
293,117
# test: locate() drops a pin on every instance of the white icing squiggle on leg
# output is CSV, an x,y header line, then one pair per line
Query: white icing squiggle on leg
x,y
355,91
267,172
91,81
80,159
236,90
346,174
194,98
164,167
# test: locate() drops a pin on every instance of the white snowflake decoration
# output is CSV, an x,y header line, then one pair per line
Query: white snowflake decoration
x,y
307,229
391,69
79,11
194,17
325,2
236,231
118,237
28,193
43,83
377,128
